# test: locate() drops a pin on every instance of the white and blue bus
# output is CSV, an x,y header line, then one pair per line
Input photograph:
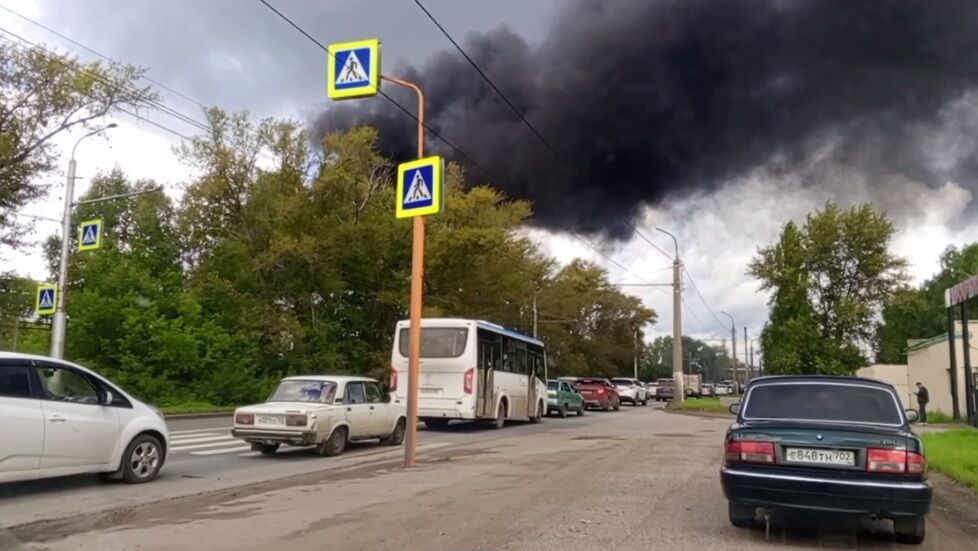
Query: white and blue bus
x,y
472,370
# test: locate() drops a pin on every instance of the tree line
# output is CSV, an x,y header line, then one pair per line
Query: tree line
x,y
283,258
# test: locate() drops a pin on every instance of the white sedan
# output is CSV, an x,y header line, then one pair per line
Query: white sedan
x,y
321,411
58,418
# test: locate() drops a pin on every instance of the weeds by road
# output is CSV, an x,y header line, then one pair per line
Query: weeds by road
x,y
954,453
700,404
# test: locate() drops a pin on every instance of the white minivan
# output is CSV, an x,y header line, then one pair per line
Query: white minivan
x,y
58,418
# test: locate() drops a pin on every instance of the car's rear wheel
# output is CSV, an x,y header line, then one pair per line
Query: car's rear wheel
x,y
910,530
334,445
741,516
607,406
265,449
500,420
562,412
436,423
142,460
580,412
617,406
396,438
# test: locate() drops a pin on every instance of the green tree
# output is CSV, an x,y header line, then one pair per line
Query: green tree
x,y
919,312
698,357
42,96
830,279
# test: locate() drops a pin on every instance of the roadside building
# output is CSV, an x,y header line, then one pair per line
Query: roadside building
x,y
897,375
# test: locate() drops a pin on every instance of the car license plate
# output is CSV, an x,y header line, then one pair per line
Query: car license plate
x,y
270,420
430,390
845,458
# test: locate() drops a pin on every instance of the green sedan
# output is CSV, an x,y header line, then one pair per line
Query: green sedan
x,y
561,398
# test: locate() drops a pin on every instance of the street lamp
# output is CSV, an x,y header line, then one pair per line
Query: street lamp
x,y
733,345
60,318
677,323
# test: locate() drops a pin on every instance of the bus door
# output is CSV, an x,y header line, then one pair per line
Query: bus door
x,y
489,356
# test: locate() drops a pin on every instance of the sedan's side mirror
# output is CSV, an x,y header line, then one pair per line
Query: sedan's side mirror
x,y
107,398
735,408
912,415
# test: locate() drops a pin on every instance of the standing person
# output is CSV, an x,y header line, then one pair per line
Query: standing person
x,y
923,397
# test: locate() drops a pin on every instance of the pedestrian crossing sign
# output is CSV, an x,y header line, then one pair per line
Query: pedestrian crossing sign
x,y
90,235
47,299
420,187
353,69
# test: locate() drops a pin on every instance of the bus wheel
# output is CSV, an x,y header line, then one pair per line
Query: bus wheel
x,y
500,417
538,415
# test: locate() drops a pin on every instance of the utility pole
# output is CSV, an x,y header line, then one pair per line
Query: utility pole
x,y
733,347
635,359
60,316
750,374
679,393
535,314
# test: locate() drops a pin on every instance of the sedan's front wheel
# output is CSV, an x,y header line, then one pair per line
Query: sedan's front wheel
x,y
142,460
741,516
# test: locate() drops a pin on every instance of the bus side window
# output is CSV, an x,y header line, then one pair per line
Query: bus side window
x,y
522,367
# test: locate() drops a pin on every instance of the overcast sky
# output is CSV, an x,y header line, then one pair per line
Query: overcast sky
x,y
238,55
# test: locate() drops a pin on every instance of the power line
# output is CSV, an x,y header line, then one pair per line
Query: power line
x,y
690,312
612,260
378,90
487,79
646,239
703,300
90,50
76,67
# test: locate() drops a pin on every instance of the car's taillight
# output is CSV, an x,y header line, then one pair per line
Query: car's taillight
x,y
880,460
600,391
393,380
296,420
244,419
469,379
750,451
916,463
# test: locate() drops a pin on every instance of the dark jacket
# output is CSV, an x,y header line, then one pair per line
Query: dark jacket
x,y
923,396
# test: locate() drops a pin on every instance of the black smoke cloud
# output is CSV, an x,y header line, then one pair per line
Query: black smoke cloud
x,y
643,99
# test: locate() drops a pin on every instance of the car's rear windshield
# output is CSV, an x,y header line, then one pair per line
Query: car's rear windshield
x,y
591,382
664,382
823,402
295,390
437,342
553,385
623,382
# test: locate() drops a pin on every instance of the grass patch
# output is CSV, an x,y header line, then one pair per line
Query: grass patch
x,y
193,407
954,453
701,404
939,417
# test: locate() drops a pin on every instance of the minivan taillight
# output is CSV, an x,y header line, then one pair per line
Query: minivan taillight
x,y
469,379
881,460
750,451
393,380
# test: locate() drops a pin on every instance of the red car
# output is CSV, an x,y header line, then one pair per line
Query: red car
x,y
598,393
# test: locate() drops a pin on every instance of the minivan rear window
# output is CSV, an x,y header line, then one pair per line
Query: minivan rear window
x,y
808,401
437,342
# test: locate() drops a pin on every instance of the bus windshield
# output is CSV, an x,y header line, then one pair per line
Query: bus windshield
x,y
436,342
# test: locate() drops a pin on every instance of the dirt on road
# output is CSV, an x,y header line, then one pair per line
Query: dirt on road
x,y
638,479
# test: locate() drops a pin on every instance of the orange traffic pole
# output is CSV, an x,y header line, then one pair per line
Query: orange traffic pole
x,y
417,284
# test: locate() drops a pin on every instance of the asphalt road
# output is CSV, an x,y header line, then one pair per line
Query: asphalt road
x,y
205,457
640,478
